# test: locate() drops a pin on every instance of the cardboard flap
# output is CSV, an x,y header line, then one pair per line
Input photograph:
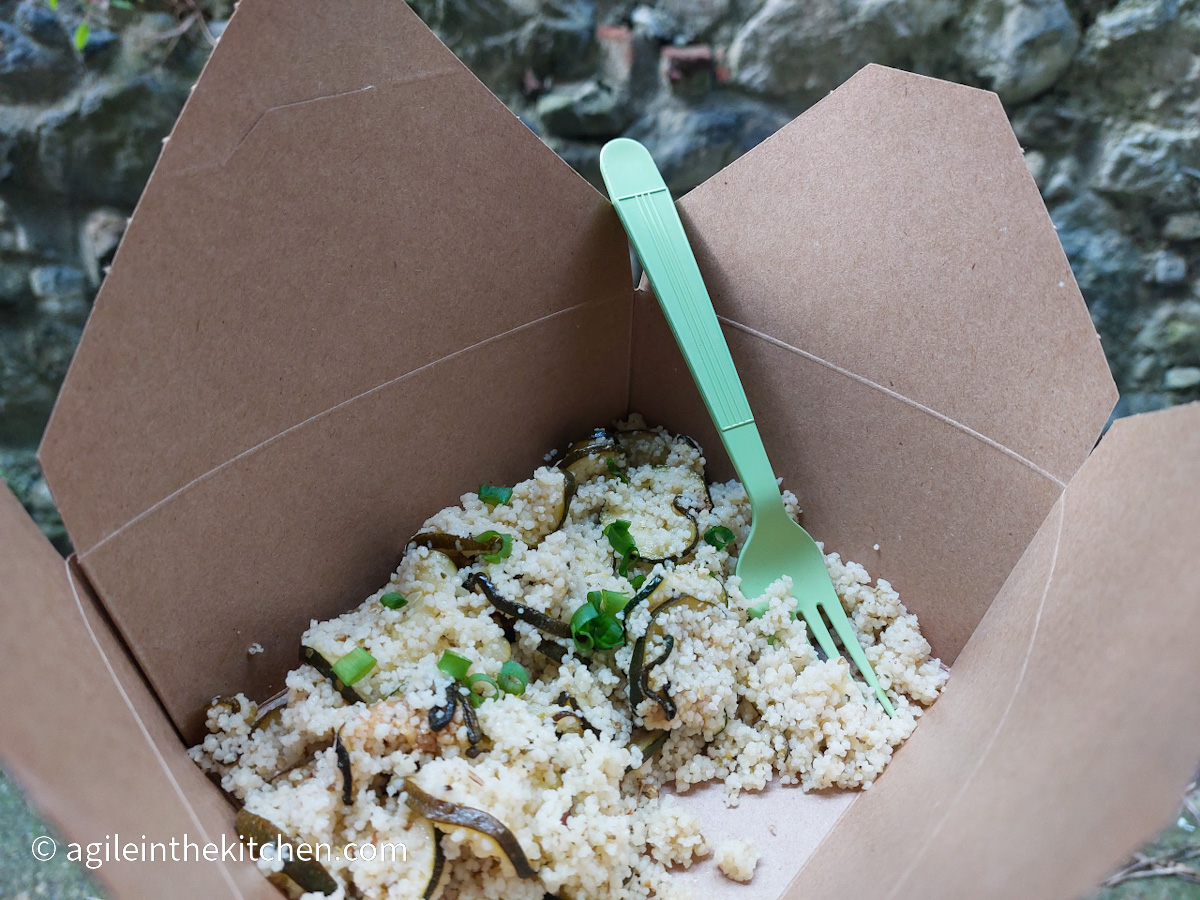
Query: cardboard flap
x,y
919,358
355,287
87,741
341,203
1071,722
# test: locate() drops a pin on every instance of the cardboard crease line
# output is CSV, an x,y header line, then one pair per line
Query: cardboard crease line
x,y
82,555
179,792
896,395
1012,700
205,167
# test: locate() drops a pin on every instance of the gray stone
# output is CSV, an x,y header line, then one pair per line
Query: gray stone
x,y
1128,19
1106,264
1181,378
799,50
1173,330
101,47
98,239
1063,181
1018,48
504,39
1154,163
15,295
1135,403
103,147
40,22
30,71
589,109
62,293
1182,227
1167,268
696,18
691,142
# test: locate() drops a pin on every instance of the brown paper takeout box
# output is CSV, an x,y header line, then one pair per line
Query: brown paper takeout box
x,y
356,287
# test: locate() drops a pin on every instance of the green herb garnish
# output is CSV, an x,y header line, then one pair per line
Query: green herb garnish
x,y
454,665
758,610
718,536
622,543
478,698
615,470
392,600
637,581
82,32
353,666
513,678
595,625
505,550
493,496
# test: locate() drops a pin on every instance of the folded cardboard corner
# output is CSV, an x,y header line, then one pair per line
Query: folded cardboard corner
x,y
356,287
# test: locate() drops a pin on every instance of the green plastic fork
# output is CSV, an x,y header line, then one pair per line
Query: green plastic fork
x,y
776,546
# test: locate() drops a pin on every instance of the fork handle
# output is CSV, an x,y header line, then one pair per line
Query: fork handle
x,y
645,208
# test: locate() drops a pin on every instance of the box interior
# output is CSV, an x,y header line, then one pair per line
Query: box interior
x,y
251,448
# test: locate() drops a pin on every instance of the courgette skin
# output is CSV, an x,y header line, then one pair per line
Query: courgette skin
x,y
318,661
445,812
310,875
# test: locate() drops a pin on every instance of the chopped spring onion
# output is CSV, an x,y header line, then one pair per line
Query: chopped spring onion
x,y
392,600
718,536
513,678
353,666
505,550
637,581
493,496
609,602
758,610
595,625
622,543
454,665
615,470
478,698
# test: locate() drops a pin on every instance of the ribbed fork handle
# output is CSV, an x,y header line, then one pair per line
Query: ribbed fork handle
x,y
648,214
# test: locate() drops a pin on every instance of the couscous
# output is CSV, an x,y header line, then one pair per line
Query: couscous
x,y
547,658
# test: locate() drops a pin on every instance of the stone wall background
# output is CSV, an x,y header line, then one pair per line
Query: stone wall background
x,y
1103,95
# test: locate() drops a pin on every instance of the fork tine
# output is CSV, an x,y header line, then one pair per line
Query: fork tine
x,y
841,624
812,616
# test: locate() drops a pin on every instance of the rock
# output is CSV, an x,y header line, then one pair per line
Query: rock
x,y
62,293
658,23
1173,330
690,143
800,50
1035,162
689,71
1018,48
40,22
1107,266
1167,268
20,470
30,71
15,295
98,239
501,40
1182,227
1144,161
27,389
101,47
1128,19
1140,402
589,109
696,18
1181,378
103,147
